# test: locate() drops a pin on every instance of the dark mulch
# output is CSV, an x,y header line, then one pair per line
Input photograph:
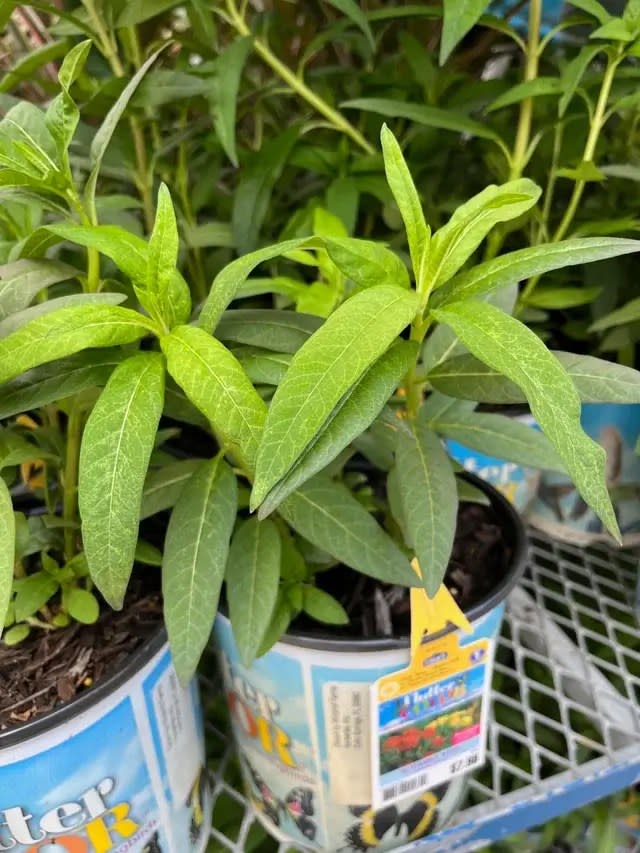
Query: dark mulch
x,y
480,560
52,668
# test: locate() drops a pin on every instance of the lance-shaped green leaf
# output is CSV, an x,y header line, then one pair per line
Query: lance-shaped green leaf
x,y
456,241
62,113
258,178
507,345
26,145
327,514
352,416
501,437
628,313
529,262
366,263
22,280
163,486
228,281
407,199
20,318
322,372
427,490
459,16
195,557
262,366
226,84
253,576
51,383
270,329
596,379
131,254
214,381
15,450
353,11
7,550
66,332
103,136
163,283
445,119
116,447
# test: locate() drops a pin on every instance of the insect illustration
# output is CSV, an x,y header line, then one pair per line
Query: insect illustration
x,y
196,802
152,845
418,820
264,800
299,806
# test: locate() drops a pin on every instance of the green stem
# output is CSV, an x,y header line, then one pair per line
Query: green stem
x,y
296,83
107,44
93,255
70,484
518,157
595,128
523,133
551,183
109,49
196,266
590,147
413,385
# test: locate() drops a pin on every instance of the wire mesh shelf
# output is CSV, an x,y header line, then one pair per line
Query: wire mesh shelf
x,y
565,717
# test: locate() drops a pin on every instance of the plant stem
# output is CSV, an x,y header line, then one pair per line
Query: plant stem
x,y
590,147
108,47
70,483
195,255
412,383
93,255
523,133
595,128
296,83
518,157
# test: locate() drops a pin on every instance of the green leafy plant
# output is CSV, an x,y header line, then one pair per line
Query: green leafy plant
x,y
339,388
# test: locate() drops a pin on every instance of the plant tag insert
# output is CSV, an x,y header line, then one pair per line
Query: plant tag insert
x,y
429,721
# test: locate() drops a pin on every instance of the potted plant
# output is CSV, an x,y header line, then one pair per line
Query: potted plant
x,y
100,745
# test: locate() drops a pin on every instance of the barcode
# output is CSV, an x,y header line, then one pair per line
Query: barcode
x,y
405,787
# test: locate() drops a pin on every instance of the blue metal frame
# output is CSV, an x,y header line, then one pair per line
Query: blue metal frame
x,y
525,815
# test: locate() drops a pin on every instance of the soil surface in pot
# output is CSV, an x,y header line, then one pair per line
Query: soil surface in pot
x,y
479,561
53,667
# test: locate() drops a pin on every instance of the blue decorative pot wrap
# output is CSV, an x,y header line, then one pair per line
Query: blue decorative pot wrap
x,y
560,511
121,768
517,483
301,722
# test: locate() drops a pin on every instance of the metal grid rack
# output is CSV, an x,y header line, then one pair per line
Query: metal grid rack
x,y
565,718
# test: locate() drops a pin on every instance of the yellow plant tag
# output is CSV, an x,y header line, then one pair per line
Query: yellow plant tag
x,y
429,720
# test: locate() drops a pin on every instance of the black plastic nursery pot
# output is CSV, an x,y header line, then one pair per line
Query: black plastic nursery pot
x,y
301,721
121,767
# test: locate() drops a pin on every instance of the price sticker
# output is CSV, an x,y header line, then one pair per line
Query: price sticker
x,y
429,721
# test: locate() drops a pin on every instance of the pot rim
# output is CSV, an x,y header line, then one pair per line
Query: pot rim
x,y
66,711
511,524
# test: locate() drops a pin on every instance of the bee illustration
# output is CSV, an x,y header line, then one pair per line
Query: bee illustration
x,y
299,806
419,819
152,845
371,828
265,800
196,802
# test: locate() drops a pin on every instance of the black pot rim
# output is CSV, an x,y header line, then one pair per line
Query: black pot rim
x,y
516,535
87,700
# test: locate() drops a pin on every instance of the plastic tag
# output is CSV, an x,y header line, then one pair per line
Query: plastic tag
x,y
429,721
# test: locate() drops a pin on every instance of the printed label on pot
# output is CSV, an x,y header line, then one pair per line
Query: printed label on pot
x,y
429,720
302,723
347,722
96,783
